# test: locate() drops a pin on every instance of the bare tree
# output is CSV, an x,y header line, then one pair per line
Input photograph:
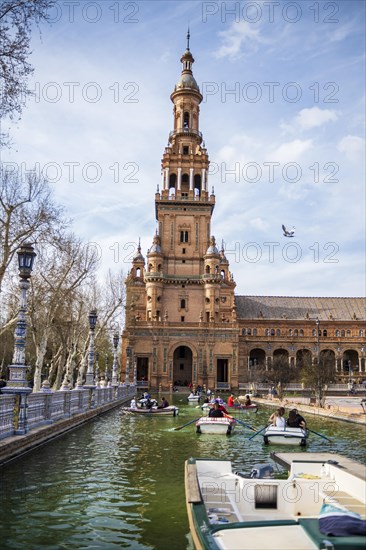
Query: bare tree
x,y
281,373
66,266
17,18
317,375
27,213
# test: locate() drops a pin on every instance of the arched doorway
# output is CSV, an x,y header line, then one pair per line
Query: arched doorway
x,y
182,366
303,358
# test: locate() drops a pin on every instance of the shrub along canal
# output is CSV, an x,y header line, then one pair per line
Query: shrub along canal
x,y
118,481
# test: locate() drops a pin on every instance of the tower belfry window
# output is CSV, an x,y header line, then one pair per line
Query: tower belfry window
x,y
186,120
185,150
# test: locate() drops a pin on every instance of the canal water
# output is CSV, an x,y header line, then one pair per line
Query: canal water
x,y
118,481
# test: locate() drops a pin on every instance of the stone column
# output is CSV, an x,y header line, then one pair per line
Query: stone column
x,y
179,180
191,179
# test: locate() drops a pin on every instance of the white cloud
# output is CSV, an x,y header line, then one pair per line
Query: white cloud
x,y
291,151
306,119
314,117
240,37
352,146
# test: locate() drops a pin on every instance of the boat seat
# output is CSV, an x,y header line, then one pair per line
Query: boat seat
x,y
344,500
221,499
311,526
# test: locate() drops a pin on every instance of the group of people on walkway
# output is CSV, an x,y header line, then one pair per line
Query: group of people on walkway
x,y
295,420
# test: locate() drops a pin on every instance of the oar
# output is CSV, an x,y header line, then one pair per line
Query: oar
x,y
240,422
188,423
320,435
251,437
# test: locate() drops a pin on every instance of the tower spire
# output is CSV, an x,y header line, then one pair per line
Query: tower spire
x,y
188,37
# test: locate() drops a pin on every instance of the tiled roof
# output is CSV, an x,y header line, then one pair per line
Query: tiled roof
x,y
293,307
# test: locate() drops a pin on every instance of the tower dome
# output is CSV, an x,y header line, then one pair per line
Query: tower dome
x,y
212,249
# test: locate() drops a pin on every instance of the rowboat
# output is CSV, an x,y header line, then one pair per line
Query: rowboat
x,y
315,507
194,398
155,411
285,436
212,425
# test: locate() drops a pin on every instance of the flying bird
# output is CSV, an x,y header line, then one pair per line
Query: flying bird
x,y
288,233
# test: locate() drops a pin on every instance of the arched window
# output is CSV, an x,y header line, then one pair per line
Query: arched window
x,y
325,333
183,304
223,273
172,180
243,332
343,333
337,333
150,268
348,333
272,331
249,331
185,183
138,272
267,331
296,332
301,332
159,267
254,332
278,332
290,332
360,332
197,184
186,120
207,269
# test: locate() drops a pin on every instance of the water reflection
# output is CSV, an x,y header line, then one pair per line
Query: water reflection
x,y
117,482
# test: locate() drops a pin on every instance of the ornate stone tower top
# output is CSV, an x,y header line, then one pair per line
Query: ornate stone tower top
x,y
185,160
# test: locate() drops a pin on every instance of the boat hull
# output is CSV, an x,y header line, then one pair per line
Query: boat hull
x,y
285,436
218,426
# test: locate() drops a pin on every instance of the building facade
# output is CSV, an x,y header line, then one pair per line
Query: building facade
x,y
184,324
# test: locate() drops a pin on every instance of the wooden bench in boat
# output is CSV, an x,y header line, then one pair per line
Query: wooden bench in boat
x,y
344,500
222,501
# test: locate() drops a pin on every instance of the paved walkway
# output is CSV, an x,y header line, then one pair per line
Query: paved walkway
x,y
348,409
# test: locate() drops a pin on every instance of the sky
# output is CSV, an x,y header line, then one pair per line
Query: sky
x,y
283,119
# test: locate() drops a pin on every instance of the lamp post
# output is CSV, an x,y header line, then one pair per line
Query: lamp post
x,y
89,378
17,370
115,360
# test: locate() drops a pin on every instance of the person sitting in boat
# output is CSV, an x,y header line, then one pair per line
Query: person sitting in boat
x,y
133,403
164,404
149,403
295,420
247,401
220,406
215,412
277,418
230,401
220,400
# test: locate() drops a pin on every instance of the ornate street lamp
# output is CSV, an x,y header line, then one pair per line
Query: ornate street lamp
x,y
115,359
17,370
89,379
